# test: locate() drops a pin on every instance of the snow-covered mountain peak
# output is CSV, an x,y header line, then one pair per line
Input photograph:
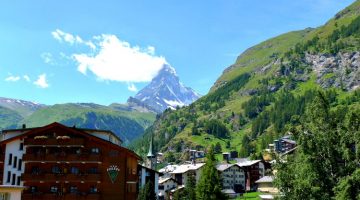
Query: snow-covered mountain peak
x,y
166,91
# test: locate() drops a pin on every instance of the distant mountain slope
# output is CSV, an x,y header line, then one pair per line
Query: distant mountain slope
x,y
166,91
126,124
263,95
133,104
9,118
24,108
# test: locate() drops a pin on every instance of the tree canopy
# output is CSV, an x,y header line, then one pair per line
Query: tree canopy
x,y
326,162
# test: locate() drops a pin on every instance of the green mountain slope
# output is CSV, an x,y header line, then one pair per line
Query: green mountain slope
x,y
9,118
264,94
126,124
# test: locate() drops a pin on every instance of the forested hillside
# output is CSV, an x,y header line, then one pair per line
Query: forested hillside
x,y
127,121
126,124
265,93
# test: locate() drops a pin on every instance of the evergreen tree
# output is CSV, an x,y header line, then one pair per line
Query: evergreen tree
x,y
177,195
209,186
190,192
147,192
326,162
217,148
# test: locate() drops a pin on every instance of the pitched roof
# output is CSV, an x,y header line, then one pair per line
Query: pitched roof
x,y
180,169
81,129
147,168
70,129
289,141
222,167
265,179
246,163
168,168
163,180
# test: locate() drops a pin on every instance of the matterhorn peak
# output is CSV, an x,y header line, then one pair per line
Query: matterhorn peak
x,y
166,91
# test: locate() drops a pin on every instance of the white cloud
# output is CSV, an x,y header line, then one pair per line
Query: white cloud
x,y
41,81
27,78
117,60
132,87
12,78
48,58
62,36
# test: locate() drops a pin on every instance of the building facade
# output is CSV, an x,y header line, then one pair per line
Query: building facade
x,y
181,172
232,176
148,175
59,162
165,186
254,169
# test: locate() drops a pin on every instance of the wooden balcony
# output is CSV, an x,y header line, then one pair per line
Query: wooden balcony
x,y
73,142
67,196
61,177
73,158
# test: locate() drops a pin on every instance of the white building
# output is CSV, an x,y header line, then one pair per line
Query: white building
x,y
165,186
232,176
181,172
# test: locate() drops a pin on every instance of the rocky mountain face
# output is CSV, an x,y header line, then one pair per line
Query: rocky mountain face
x,y
265,93
166,91
341,70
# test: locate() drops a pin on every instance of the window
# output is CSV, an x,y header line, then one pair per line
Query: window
x,y
18,180
35,170
21,146
10,159
53,189
8,177
33,189
56,170
93,170
13,179
73,189
93,189
95,150
74,170
20,164
15,162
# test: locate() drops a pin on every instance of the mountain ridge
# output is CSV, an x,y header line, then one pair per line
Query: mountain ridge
x,y
166,91
264,93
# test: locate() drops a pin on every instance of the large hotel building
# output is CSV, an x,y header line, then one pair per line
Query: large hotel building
x,y
60,162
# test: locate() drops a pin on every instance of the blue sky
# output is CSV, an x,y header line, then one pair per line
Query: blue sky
x,y
103,51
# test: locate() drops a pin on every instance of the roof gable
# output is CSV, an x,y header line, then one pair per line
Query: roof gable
x,y
70,130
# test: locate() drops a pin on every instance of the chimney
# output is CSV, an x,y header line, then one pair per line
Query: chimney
x,y
24,126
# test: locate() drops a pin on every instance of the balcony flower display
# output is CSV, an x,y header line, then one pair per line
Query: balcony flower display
x,y
65,137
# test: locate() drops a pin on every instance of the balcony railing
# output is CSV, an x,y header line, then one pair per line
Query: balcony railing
x,y
62,158
54,142
61,177
67,196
